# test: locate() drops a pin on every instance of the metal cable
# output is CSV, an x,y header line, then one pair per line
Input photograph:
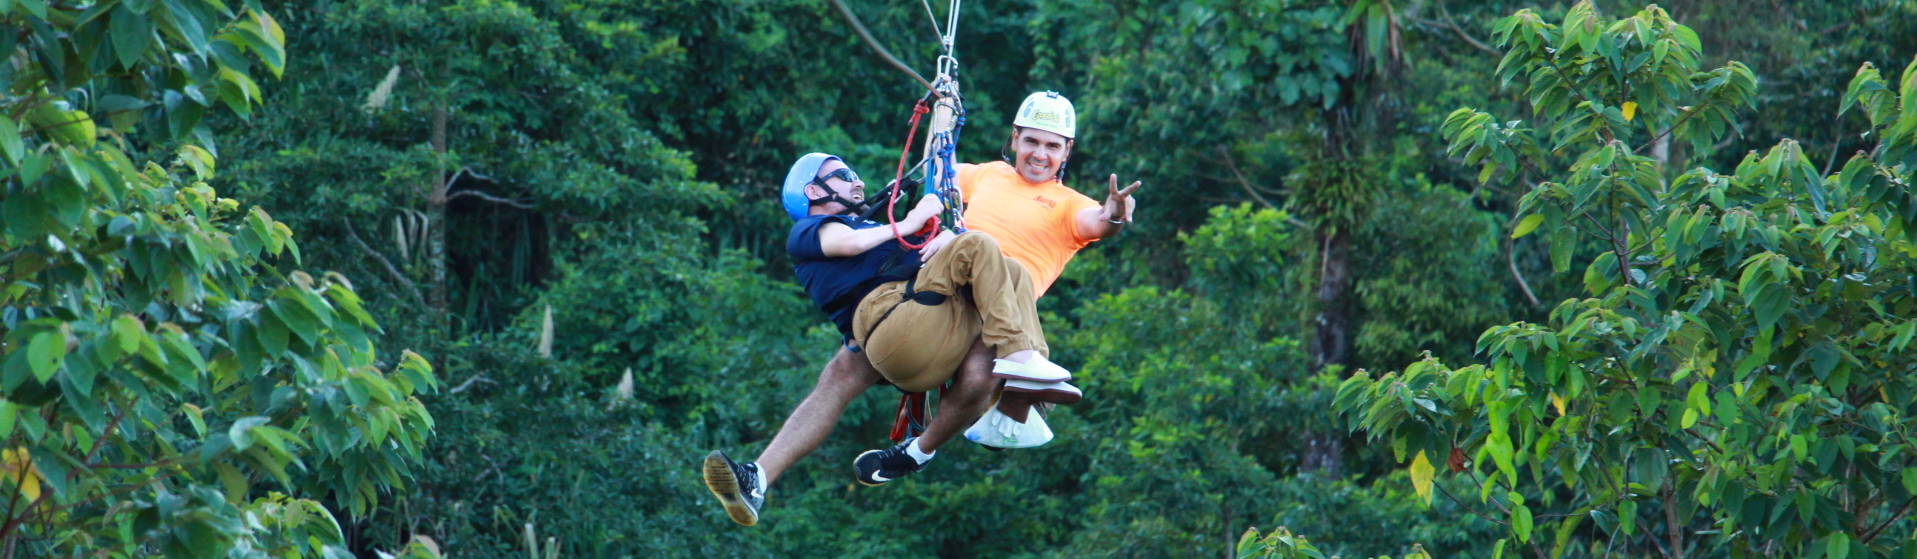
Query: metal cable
x,y
874,43
951,28
929,16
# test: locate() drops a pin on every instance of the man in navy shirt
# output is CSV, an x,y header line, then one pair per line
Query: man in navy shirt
x,y
914,318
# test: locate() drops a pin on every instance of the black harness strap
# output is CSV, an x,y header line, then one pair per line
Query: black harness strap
x,y
927,298
889,191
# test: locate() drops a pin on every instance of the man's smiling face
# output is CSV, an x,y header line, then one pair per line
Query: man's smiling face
x,y
1038,155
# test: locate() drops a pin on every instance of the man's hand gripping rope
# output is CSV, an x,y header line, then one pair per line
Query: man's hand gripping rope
x,y
939,192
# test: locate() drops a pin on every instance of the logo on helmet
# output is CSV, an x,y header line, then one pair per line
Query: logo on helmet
x,y
1048,111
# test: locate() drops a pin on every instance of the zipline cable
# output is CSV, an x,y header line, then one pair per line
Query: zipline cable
x,y
950,37
929,16
876,48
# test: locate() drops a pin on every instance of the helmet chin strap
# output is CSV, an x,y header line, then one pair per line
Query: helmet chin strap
x,y
851,207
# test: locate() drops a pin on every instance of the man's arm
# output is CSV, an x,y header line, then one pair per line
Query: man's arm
x,y
1111,217
837,240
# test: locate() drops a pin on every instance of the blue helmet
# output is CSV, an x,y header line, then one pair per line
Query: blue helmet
x,y
797,205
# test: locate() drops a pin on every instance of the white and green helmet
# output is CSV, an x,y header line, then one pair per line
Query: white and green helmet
x,y
1048,111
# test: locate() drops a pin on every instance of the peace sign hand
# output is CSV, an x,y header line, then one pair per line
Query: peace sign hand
x,y
1119,203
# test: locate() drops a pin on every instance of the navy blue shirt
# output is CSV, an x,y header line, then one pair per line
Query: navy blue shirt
x,y
837,284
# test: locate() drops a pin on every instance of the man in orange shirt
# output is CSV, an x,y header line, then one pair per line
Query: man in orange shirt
x,y
1037,220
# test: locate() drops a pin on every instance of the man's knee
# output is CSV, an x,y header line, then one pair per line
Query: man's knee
x,y
977,366
978,241
850,370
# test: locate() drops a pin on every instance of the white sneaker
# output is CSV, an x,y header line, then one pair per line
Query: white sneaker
x,y
1038,369
1054,392
996,429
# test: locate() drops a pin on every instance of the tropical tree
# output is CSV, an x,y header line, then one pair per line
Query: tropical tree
x,y
1737,381
1306,106
172,382
1188,377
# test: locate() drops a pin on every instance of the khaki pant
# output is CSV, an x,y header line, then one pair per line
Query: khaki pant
x,y
918,347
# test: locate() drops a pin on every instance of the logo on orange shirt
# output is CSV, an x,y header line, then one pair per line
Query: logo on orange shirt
x,y
1049,203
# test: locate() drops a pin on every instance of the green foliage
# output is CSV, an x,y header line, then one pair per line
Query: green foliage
x,y
1311,107
1199,405
159,372
1182,401
1382,516
1281,544
615,162
1436,274
664,316
1735,383
462,152
1235,77
591,474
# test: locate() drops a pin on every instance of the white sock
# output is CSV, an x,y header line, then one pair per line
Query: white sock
x,y
920,455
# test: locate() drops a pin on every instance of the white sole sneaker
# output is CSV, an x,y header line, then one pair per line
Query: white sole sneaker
x,y
1037,369
996,429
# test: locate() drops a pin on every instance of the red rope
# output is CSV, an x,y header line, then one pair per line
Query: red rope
x,y
910,420
931,225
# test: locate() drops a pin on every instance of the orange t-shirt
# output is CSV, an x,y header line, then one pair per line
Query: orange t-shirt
x,y
1035,224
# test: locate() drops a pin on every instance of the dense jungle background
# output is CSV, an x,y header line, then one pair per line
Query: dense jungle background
x,y
499,273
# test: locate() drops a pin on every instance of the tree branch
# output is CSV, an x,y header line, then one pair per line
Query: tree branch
x,y
1675,532
1452,24
1608,235
490,198
1475,478
1242,181
1634,250
1873,532
1511,258
469,382
401,278
1693,432
136,465
1667,131
111,426
1575,90
115,493
1467,506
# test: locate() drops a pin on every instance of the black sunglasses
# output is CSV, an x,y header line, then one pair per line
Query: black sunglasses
x,y
842,173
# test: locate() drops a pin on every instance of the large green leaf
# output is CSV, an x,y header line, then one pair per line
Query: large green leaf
x,y
132,33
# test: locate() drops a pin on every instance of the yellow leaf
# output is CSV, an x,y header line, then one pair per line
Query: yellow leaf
x,y
1527,225
1557,402
17,467
273,28
428,543
1630,109
1421,474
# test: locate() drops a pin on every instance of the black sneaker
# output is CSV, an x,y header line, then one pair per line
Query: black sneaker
x,y
879,466
740,487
